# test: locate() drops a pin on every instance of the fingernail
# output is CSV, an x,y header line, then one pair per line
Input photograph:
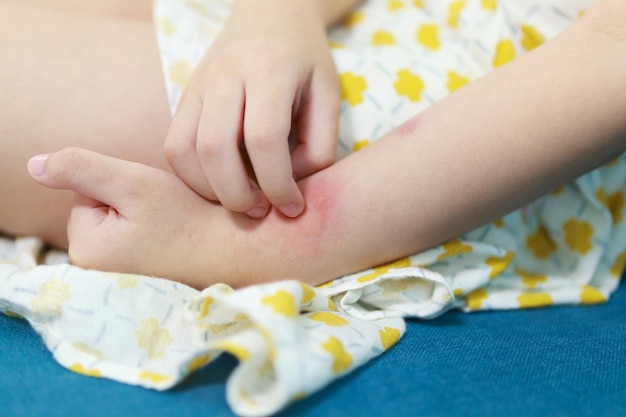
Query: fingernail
x,y
258,212
291,210
36,165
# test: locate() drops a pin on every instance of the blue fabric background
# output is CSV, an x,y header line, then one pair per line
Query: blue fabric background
x,y
560,361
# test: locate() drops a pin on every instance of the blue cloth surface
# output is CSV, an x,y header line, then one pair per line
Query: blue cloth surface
x,y
560,361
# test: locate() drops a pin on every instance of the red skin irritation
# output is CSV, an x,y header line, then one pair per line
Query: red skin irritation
x,y
407,128
321,195
308,232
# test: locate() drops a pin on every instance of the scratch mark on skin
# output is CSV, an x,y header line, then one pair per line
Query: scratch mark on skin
x,y
407,128
280,247
321,195
307,235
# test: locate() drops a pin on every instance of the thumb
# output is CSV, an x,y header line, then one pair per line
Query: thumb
x,y
88,173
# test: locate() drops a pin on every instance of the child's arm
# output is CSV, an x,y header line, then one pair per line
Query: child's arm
x,y
491,147
267,75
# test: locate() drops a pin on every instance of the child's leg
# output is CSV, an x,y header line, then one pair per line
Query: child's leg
x,y
135,9
72,80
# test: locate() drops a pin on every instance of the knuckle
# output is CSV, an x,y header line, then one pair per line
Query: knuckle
x,y
270,66
174,150
260,141
323,158
69,164
237,202
271,57
265,136
278,191
176,146
209,147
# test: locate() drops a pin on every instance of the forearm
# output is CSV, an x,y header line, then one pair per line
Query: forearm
x,y
491,147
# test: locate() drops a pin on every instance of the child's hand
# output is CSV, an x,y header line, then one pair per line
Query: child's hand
x,y
268,74
129,217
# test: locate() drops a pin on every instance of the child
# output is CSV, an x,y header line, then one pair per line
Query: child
x,y
491,147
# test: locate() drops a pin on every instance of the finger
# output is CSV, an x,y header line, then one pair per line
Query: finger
x,y
99,177
317,127
267,123
180,148
217,147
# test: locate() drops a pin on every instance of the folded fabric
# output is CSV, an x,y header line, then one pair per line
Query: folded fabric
x,y
291,339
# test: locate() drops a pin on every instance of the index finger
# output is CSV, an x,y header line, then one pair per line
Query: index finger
x,y
267,124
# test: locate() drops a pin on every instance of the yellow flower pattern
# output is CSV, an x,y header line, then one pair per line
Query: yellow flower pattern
x,y
383,269
383,38
235,349
330,319
532,38
614,202
199,362
409,85
534,300
455,9
360,144
342,359
51,298
578,234
428,36
453,248
308,294
180,72
395,5
531,279
490,5
591,295
352,88
282,302
154,377
476,298
455,81
153,338
166,26
499,263
353,19
126,280
540,243
79,369
505,52
388,337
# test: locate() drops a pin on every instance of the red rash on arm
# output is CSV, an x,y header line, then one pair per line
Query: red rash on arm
x,y
321,194
407,128
294,245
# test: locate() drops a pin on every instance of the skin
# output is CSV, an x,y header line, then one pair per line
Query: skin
x,y
416,187
135,10
110,231
113,99
58,90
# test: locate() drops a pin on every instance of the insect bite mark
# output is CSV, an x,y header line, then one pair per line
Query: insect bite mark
x,y
408,127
